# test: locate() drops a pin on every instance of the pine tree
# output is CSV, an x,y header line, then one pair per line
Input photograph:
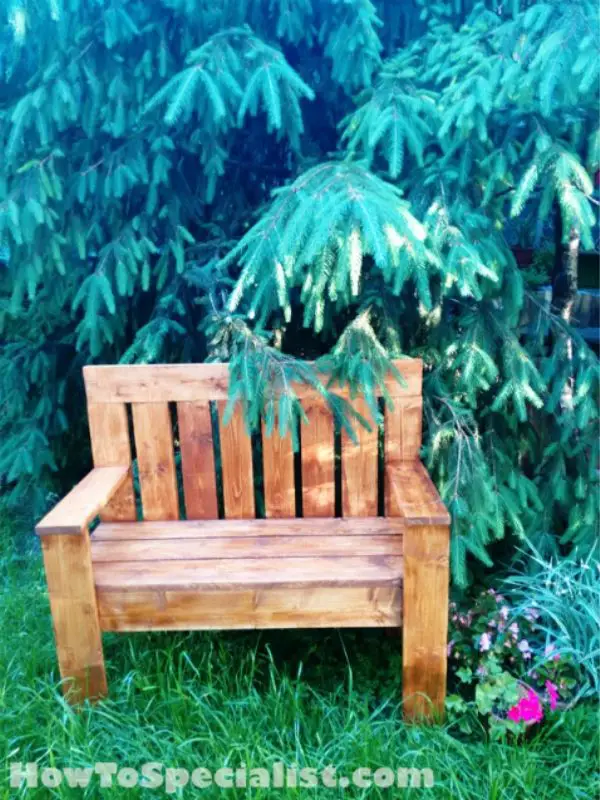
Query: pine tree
x,y
264,181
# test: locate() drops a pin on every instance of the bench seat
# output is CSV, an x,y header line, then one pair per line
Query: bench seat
x,y
248,574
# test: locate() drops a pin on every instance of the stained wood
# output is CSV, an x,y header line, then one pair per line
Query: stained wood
x,y
317,459
68,566
278,474
411,494
73,513
425,625
359,467
197,460
318,607
109,434
156,460
165,574
159,383
402,431
228,528
239,573
236,464
267,547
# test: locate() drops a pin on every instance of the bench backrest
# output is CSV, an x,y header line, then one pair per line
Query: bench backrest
x,y
153,390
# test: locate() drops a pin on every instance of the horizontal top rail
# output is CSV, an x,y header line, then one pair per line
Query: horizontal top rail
x,y
157,383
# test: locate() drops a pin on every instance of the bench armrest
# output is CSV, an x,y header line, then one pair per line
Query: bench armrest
x,y
74,512
412,495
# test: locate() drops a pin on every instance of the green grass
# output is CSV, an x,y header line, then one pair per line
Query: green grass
x,y
217,700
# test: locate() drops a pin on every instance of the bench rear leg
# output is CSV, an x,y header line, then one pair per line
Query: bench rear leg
x,y
425,623
68,564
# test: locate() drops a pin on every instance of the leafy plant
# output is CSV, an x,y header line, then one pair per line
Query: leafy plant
x,y
564,595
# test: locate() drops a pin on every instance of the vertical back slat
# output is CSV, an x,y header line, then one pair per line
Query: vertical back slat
x,y
359,468
197,460
236,462
278,472
402,430
156,461
402,435
317,454
109,434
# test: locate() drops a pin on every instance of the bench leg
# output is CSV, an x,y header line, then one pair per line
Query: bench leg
x,y
425,623
68,563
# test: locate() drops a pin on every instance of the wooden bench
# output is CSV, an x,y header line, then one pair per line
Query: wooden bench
x,y
285,571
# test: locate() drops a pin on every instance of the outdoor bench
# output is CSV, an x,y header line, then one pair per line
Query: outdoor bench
x,y
317,570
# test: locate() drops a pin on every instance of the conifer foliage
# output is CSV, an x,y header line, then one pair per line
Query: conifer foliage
x,y
267,180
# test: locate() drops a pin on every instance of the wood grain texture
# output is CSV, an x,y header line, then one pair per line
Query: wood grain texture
x,y
68,565
264,608
197,460
411,494
156,461
109,434
227,528
425,624
244,573
74,512
317,458
359,467
402,430
236,464
160,383
278,474
267,547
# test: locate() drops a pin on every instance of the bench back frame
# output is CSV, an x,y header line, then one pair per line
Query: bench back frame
x,y
192,388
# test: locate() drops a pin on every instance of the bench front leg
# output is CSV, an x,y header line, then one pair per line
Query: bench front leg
x,y
410,494
425,624
68,564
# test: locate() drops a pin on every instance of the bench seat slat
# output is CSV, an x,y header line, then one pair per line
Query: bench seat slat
x,y
266,547
198,529
241,573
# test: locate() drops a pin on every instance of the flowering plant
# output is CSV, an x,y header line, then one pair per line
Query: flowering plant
x,y
497,655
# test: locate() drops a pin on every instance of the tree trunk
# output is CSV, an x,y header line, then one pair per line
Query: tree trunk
x,y
564,291
565,272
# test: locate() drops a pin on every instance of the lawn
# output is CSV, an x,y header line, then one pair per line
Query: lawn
x,y
221,700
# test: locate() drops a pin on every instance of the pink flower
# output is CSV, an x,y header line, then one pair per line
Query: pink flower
x,y
552,690
450,646
485,642
504,612
528,709
524,646
548,649
514,628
